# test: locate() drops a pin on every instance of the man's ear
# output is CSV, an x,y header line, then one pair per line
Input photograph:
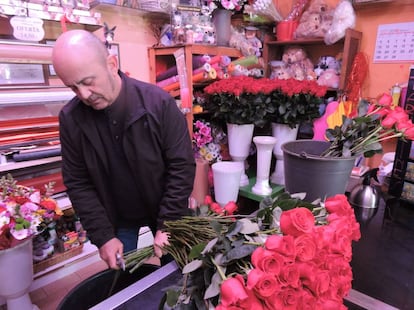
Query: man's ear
x,y
112,62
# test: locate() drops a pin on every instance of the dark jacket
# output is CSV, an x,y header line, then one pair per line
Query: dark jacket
x,y
158,149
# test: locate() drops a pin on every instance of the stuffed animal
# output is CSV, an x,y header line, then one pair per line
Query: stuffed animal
x,y
280,70
327,62
343,18
329,78
298,62
315,21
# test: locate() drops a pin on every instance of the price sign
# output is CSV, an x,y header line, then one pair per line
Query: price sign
x,y
395,43
27,28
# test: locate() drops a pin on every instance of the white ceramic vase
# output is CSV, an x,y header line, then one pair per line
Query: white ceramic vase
x,y
226,179
283,133
16,274
240,139
264,146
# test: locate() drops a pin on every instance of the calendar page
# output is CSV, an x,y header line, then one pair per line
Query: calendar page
x,y
395,43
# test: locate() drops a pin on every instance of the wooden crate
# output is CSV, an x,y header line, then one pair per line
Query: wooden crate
x,y
57,258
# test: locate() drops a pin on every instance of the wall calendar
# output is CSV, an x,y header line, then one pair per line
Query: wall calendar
x,y
395,43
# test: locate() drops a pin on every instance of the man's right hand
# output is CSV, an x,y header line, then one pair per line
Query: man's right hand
x,y
109,250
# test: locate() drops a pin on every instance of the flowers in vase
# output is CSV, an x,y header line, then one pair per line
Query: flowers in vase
x,y
23,211
209,142
375,122
231,5
246,100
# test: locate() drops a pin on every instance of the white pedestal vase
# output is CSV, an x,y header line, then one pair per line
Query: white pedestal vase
x,y
226,179
240,139
16,274
264,146
283,133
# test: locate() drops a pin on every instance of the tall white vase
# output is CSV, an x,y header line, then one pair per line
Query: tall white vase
x,y
226,179
16,274
264,146
240,139
283,133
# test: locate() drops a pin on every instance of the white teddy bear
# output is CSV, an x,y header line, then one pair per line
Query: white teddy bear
x,y
343,18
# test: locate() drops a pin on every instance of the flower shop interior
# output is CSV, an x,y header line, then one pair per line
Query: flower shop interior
x,y
300,117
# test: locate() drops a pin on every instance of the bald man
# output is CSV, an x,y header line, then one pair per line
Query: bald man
x,y
126,150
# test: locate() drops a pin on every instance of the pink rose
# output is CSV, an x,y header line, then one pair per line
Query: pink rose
x,y
281,244
230,208
297,221
264,284
289,275
320,285
233,291
208,200
338,204
328,304
305,247
267,261
286,299
307,272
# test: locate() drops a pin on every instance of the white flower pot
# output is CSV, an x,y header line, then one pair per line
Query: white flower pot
x,y
226,179
283,133
264,145
240,139
16,272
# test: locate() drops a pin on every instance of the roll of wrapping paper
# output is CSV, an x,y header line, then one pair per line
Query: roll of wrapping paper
x,y
197,62
244,61
199,77
36,155
204,68
168,81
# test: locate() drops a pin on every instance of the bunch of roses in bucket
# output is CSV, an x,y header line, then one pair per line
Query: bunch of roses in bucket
x,y
374,123
24,211
246,100
290,254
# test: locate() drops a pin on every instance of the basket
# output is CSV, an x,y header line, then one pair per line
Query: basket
x,y
57,258
154,5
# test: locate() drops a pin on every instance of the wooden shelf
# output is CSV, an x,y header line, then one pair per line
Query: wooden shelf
x,y
154,14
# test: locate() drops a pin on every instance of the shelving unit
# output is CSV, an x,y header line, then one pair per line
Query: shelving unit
x,y
315,48
164,57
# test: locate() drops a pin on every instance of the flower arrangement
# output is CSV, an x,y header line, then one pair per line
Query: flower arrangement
x,y
265,8
375,122
231,5
246,100
209,142
289,254
23,211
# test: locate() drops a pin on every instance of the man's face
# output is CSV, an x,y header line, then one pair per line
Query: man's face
x,y
93,82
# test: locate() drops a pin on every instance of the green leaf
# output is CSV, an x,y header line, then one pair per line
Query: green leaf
x,y
172,297
237,253
196,250
214,287
217,227
192,266
248,227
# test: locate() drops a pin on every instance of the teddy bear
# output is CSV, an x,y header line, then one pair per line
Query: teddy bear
x,y
343,18
280,70
298,62
315,21
329,78
327,62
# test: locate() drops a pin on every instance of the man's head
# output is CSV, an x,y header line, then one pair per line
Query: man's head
x,y
82,62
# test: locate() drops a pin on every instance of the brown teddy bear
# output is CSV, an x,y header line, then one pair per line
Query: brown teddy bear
x,y
298,62
315,21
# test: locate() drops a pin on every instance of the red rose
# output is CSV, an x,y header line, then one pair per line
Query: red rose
x,y
233,291
409,132
385,100
338,204
215,207
308,301
48,204
297,221
286,299
267,261
21,200
230,208
264,284
307,272
281,244
327,304
320,284
305,247
208,200
289,275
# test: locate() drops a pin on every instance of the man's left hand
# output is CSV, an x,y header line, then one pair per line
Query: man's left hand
x,y
160,240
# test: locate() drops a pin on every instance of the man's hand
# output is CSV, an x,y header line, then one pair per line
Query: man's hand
x,y
109,250
160,240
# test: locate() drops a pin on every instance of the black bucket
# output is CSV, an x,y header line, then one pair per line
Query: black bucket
x,y
306,171
97,288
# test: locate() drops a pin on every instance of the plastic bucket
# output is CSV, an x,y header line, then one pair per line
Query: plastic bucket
x,y
306,171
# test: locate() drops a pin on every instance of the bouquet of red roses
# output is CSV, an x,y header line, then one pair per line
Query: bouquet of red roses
x,y
290,254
